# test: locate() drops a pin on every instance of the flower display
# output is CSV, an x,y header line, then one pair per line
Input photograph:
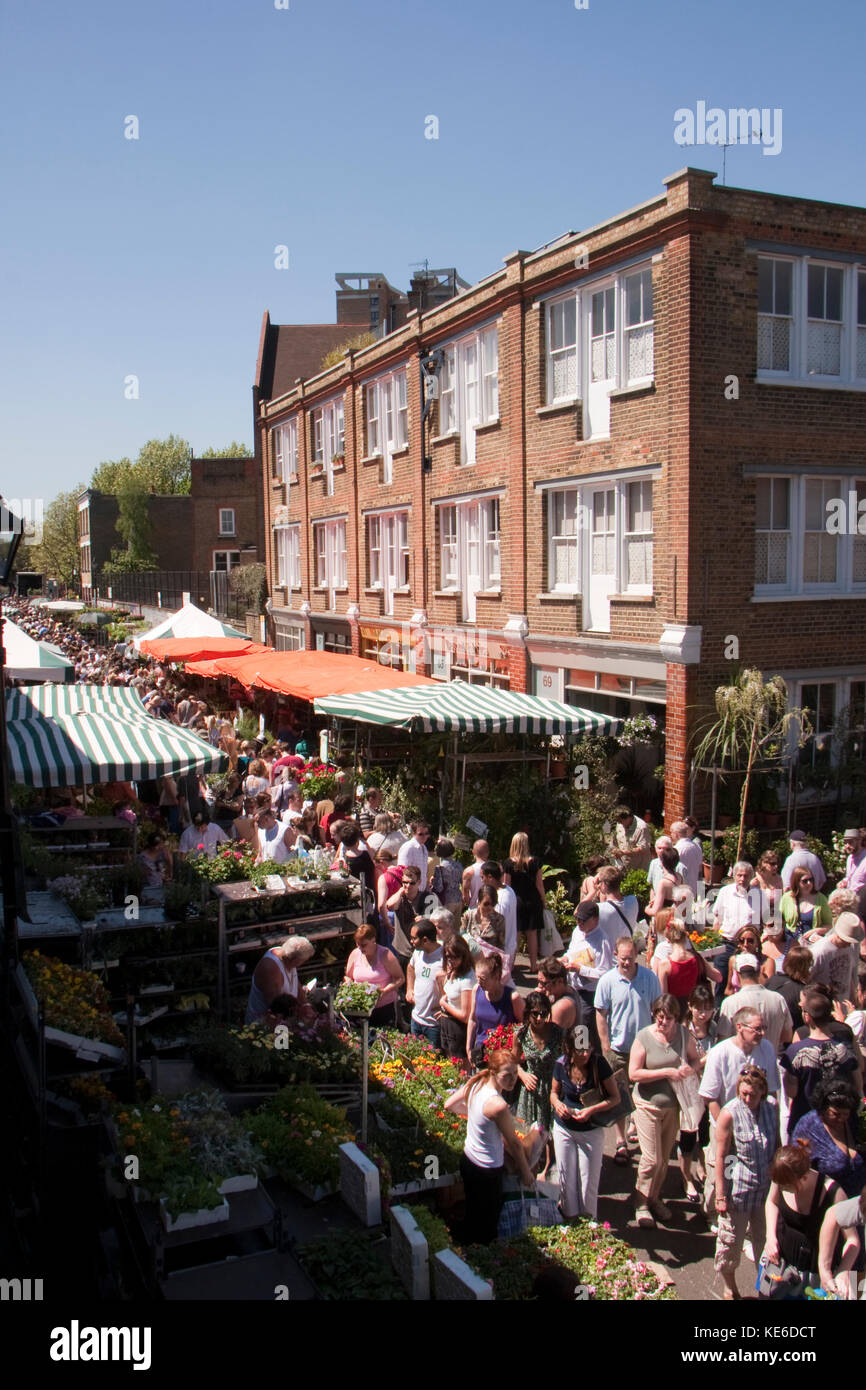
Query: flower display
x,y
705,939
300,1135
606,1266
503,1037
355,997
318,781
417,1080
347,1265
249,1054
75,1001
80,893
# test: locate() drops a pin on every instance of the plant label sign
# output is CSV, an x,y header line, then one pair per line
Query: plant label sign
x,y
476,826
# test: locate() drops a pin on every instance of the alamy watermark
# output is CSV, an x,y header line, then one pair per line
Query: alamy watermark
x,y
22,516
737,126
846,516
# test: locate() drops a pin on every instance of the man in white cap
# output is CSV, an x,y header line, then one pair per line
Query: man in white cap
x,y
836,956
855,864
802,858
778,1026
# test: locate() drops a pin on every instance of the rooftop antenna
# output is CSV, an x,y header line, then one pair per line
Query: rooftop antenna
x,y
730,143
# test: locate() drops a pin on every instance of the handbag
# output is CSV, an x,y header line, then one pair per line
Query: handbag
x,y
550,939
517,1216
779,1281
596,1095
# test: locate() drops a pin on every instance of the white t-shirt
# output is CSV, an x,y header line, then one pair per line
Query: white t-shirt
x,y
508,907
770,1005
733,910
272,845
413,852
452,989
726,1060
598,942
208,835
426,969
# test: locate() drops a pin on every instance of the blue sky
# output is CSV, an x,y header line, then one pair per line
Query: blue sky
x,y
305,127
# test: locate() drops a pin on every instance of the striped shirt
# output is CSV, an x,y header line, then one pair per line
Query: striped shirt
x,y
754,1143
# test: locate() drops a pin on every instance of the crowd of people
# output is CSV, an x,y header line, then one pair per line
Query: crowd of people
x,y
745,1061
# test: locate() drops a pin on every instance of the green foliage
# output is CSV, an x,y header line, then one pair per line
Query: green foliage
x,y
562,907
247,727
606,1266
300,1135
433,1227
57,556
636,883
229,451
249,584
346,1265
782,847
749,846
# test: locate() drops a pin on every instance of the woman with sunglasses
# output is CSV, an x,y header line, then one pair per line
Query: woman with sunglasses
x,y
583,1088
769,879
748,942
803,909
829,1132
456,982
662,1053
539,1043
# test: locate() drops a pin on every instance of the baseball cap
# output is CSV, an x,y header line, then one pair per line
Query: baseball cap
x,y
848,926
798,835
585,911
746,961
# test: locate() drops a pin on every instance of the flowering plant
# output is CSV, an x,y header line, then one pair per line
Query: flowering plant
x,y
705,939
75,1001
418,1081
80,893
837,857
346,1265
639,728
300,1135
604,1265
504,1037
355,997
318,782
249,1054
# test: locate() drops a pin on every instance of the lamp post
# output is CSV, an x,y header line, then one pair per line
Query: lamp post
x,y
11,531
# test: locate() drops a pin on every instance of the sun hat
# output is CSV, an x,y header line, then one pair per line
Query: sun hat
x,y
849,927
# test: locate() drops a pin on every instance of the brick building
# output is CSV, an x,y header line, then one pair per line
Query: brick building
x,y
227,515
589,472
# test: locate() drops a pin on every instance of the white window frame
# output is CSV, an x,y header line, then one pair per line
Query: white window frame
x,y
583,528
387,418
772,530
796,584
287,547
231,529
580,349
469,388
230,564
290,638
454,522
284,443
843,686
852,332
388,554
329,438
330,557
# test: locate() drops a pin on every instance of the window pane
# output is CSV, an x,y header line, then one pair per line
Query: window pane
x,y
784,280
816,292
834,294
763,504
765,286
781,503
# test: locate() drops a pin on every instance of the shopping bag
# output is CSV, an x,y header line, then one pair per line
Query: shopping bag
x,y
550,940
518,1215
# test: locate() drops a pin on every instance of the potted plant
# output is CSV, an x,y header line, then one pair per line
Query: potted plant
x,y
715,873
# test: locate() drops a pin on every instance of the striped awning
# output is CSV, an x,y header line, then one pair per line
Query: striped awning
x,y
188,621
461,708
29,660
65,736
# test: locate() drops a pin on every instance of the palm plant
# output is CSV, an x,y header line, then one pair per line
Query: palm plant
x,y
753,723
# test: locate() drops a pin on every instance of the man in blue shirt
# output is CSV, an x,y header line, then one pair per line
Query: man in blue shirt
x,y
623,1000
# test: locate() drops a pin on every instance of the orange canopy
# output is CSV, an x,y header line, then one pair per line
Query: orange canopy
x,y
308,675
201,648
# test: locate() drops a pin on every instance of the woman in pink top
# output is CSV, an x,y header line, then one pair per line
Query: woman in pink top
x,y
372,964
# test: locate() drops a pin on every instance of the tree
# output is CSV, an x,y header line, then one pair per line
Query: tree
x,y
231,451
108,476
57,555
162,467
133,524
752,725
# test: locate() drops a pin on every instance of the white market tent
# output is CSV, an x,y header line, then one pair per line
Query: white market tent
x,y
29,660
72,735
462,708
189,621
62,605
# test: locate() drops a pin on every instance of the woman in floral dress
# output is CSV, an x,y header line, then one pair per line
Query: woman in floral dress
x,y
539,1044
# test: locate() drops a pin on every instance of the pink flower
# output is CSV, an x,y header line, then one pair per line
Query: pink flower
x,y
199,846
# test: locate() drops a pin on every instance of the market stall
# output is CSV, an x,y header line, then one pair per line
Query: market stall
x,y
187,649
29,660
461,708
69,736
307,675
189,621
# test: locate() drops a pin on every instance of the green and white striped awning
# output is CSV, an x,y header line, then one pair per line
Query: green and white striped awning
x,y
461,708
65,736
29,660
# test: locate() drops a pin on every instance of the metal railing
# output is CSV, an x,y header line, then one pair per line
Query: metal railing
x,y
157,588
